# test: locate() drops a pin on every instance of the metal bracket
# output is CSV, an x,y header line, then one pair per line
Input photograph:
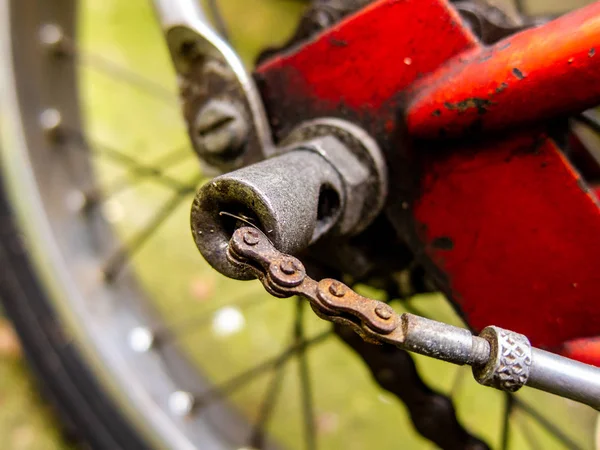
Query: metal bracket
x,y
210,70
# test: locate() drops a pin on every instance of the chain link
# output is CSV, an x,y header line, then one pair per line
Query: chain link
x,y
500,358
375,321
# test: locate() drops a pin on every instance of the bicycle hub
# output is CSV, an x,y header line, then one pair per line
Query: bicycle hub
x,y
327,179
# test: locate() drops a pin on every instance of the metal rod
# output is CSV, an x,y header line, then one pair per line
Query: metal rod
x,y
541,73
500,358
565,377
442,341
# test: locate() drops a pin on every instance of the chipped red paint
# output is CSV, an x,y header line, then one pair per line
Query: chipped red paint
x,y
523,230
538,74
348,69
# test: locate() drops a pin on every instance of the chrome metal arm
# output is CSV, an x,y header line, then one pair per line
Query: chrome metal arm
x,y
221,103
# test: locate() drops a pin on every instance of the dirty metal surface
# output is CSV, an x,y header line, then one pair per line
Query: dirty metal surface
x,y
505,226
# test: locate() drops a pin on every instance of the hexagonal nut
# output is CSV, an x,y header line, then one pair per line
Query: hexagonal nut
x,y
355,175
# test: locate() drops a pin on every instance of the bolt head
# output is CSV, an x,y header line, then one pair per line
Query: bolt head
x,y
251,237
383,311
337,289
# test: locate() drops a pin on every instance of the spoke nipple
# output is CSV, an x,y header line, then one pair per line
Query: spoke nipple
x,y
383,311
337,289
251,237
181,403
288,266
76,201
141,339
52,36
51,121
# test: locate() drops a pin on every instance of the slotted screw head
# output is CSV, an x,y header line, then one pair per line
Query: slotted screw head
x,y
219,130
337,289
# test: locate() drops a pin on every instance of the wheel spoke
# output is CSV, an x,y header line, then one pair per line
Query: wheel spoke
x,y
135,166
546,424
98,148
432,414
508,409
117,72
528,434
308,412
165,162
220,24
458,381
257,438
245,377
125,252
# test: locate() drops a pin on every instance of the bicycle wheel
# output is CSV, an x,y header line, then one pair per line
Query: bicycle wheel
x,y
138,342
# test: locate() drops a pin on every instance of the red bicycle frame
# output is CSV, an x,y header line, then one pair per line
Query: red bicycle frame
x,y
487,201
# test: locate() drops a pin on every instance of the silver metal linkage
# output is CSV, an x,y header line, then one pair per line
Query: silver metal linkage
x,y
442,341
503,359
221,104
500,358
328,179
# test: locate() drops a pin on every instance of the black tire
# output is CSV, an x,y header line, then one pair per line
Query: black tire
x,y
88,414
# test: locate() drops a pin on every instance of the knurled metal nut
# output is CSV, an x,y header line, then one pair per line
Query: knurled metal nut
x,y
510,360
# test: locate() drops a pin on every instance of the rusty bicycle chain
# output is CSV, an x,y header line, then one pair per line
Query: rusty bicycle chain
x,y
373,322
284,275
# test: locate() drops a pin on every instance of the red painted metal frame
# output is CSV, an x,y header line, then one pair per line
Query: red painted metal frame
x,y
504,223
538,74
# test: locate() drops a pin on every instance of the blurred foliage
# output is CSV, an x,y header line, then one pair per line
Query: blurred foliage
x,y
26,423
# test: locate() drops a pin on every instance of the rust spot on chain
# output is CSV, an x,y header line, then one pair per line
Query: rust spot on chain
x,y
376,315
